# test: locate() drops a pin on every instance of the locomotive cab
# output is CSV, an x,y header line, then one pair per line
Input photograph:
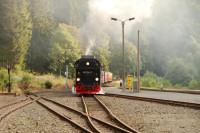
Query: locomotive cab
x,y
88,75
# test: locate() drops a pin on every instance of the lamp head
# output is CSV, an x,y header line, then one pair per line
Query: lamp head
x,y
114,19
131,18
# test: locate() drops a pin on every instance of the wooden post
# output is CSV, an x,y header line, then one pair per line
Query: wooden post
x,y
9,81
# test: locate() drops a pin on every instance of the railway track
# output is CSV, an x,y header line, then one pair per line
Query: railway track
x,y
80,119
95,108
12,107
197,92
13,94
65,113
162,101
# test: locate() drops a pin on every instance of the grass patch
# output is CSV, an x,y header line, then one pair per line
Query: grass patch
x,y
23,81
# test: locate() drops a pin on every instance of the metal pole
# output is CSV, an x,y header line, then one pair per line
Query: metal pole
x,y
138,63
123,61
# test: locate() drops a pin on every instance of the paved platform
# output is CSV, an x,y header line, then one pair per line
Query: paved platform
x,y
193,98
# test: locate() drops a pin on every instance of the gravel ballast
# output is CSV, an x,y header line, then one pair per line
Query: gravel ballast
x,y
73,101
7,99
145,117
153,117
67,99
35,119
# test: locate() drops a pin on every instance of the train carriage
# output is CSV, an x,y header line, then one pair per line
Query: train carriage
x,y
106,77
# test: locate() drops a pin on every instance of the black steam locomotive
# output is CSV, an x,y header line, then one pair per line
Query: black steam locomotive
x,y
88,75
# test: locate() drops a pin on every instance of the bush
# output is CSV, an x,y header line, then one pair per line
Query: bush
x,y
194,84
165,82
152,80
178,72
48,84
178,86
17,90
3,78
25,82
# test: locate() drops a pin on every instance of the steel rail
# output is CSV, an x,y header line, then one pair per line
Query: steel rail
x,y
111,125
64,117
156,100
195,92
88,117
4,115
14,94
85,115
10,104
115,117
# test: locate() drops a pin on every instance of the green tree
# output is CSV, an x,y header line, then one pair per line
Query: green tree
x,y
101,50
65,49
102,54
194,84
72,12
149,79
116,60
41,42
116,64
170,35
178,72
15,31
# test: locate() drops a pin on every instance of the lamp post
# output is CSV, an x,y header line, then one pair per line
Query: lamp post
x,y
123,61
138,63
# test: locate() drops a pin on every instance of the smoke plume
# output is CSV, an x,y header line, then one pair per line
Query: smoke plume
x,y
100,11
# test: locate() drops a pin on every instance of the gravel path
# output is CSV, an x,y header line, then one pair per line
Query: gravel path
x,y
153,117
35,119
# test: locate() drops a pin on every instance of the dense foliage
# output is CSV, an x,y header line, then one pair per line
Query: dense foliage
x,y
65,49
152,80
45,36
72,12
171,42
41,42
15,31
3,78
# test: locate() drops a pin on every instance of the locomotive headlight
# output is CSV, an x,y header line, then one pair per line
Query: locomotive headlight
x,y
78,79
96,79
87,63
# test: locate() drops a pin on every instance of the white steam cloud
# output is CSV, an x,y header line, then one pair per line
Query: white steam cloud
x,y
100,12
88,50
